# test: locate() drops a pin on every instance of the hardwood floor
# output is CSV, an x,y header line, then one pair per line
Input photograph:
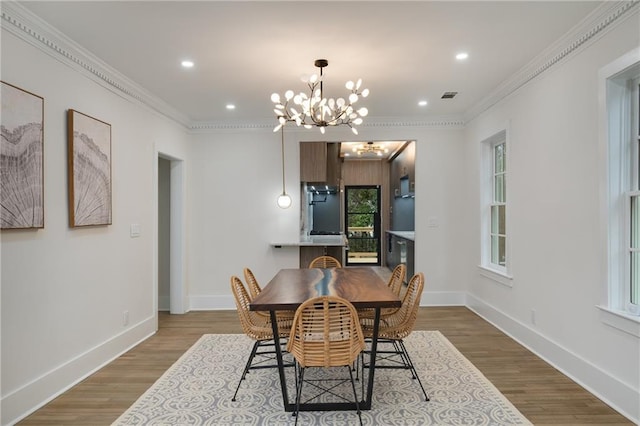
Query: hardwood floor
x,y
541,393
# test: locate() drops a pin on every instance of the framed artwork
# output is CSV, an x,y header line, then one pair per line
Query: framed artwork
x,y
89,157
21,159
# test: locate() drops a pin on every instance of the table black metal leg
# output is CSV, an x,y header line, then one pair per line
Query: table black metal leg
x,y
276,341
366,404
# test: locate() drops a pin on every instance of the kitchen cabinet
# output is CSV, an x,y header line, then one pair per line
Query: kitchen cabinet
x,y
307,254
393,252
320,163
401,249
410,260
313,161
402,172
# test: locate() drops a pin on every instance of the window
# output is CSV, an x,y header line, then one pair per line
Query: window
x,y
620,82
632,283
499,206
495,241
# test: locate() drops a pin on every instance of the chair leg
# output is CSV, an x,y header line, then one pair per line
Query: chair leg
x,y
299,393
355,395
413,369
246,367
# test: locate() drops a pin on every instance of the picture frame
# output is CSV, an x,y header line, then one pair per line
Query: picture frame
x,y
21,159
89,170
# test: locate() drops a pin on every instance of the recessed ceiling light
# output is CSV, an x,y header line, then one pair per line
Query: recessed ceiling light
x,y
462,56
231,106
422,103
187,64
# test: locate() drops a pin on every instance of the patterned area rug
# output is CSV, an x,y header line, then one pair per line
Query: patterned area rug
x,y
197,390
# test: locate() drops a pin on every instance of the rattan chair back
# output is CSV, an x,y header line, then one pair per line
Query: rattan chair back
x,y
325,262
326,333
252,283
397,278
253,324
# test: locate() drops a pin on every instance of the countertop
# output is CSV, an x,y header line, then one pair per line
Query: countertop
x,y
316,241
407,235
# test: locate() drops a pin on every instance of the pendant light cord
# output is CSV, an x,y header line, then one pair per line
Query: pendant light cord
x,y
282,141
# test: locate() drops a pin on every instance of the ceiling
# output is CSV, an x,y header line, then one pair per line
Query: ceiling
x,y
244,51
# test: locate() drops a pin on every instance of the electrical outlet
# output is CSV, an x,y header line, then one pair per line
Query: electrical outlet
x,y
125,318
533,316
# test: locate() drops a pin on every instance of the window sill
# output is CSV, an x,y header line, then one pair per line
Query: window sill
x,y
620,320
497,276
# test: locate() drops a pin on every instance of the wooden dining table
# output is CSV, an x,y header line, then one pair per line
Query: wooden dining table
x,y
289,288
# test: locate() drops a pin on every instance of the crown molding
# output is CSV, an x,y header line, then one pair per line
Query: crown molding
x,y
443,122
35,31
594,26
22,23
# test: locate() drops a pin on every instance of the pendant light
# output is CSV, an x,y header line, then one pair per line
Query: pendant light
x,y
284,200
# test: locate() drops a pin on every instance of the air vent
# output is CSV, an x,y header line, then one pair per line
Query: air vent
x,y
448,95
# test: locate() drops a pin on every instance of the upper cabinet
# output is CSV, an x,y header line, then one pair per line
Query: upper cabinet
x,y
313,161
403,171
320,162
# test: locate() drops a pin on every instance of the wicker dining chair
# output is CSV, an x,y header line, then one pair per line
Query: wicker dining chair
x,y
325,333
395,285
394,328
325,262
257,327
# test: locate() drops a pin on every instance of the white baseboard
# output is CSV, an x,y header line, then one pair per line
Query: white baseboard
x,y
443,298
612,391
211,303
20,403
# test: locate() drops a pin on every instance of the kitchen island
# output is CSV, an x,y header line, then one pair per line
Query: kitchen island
x,y
312,246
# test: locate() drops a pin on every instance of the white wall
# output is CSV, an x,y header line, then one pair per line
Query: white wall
x,y
554,221
235,179
64,290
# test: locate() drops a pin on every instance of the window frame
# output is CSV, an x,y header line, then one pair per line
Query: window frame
x,y
620,150
495,271
632,191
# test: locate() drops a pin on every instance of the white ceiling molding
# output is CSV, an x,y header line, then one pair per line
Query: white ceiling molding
x,y
590,29
453,121
30,28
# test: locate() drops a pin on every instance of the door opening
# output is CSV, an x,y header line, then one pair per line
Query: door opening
x,y
164,233
171,292
362,220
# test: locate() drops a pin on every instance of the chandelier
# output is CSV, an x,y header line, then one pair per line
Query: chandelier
x,y
370,148
314,110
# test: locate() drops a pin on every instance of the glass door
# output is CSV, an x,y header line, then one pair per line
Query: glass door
x,y
362,219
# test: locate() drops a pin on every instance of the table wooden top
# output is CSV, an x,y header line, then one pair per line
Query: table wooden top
x,y
290,287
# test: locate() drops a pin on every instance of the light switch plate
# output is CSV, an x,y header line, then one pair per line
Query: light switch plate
x,y
134,230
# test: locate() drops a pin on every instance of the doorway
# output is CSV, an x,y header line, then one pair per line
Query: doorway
x,y
362,222
171,293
